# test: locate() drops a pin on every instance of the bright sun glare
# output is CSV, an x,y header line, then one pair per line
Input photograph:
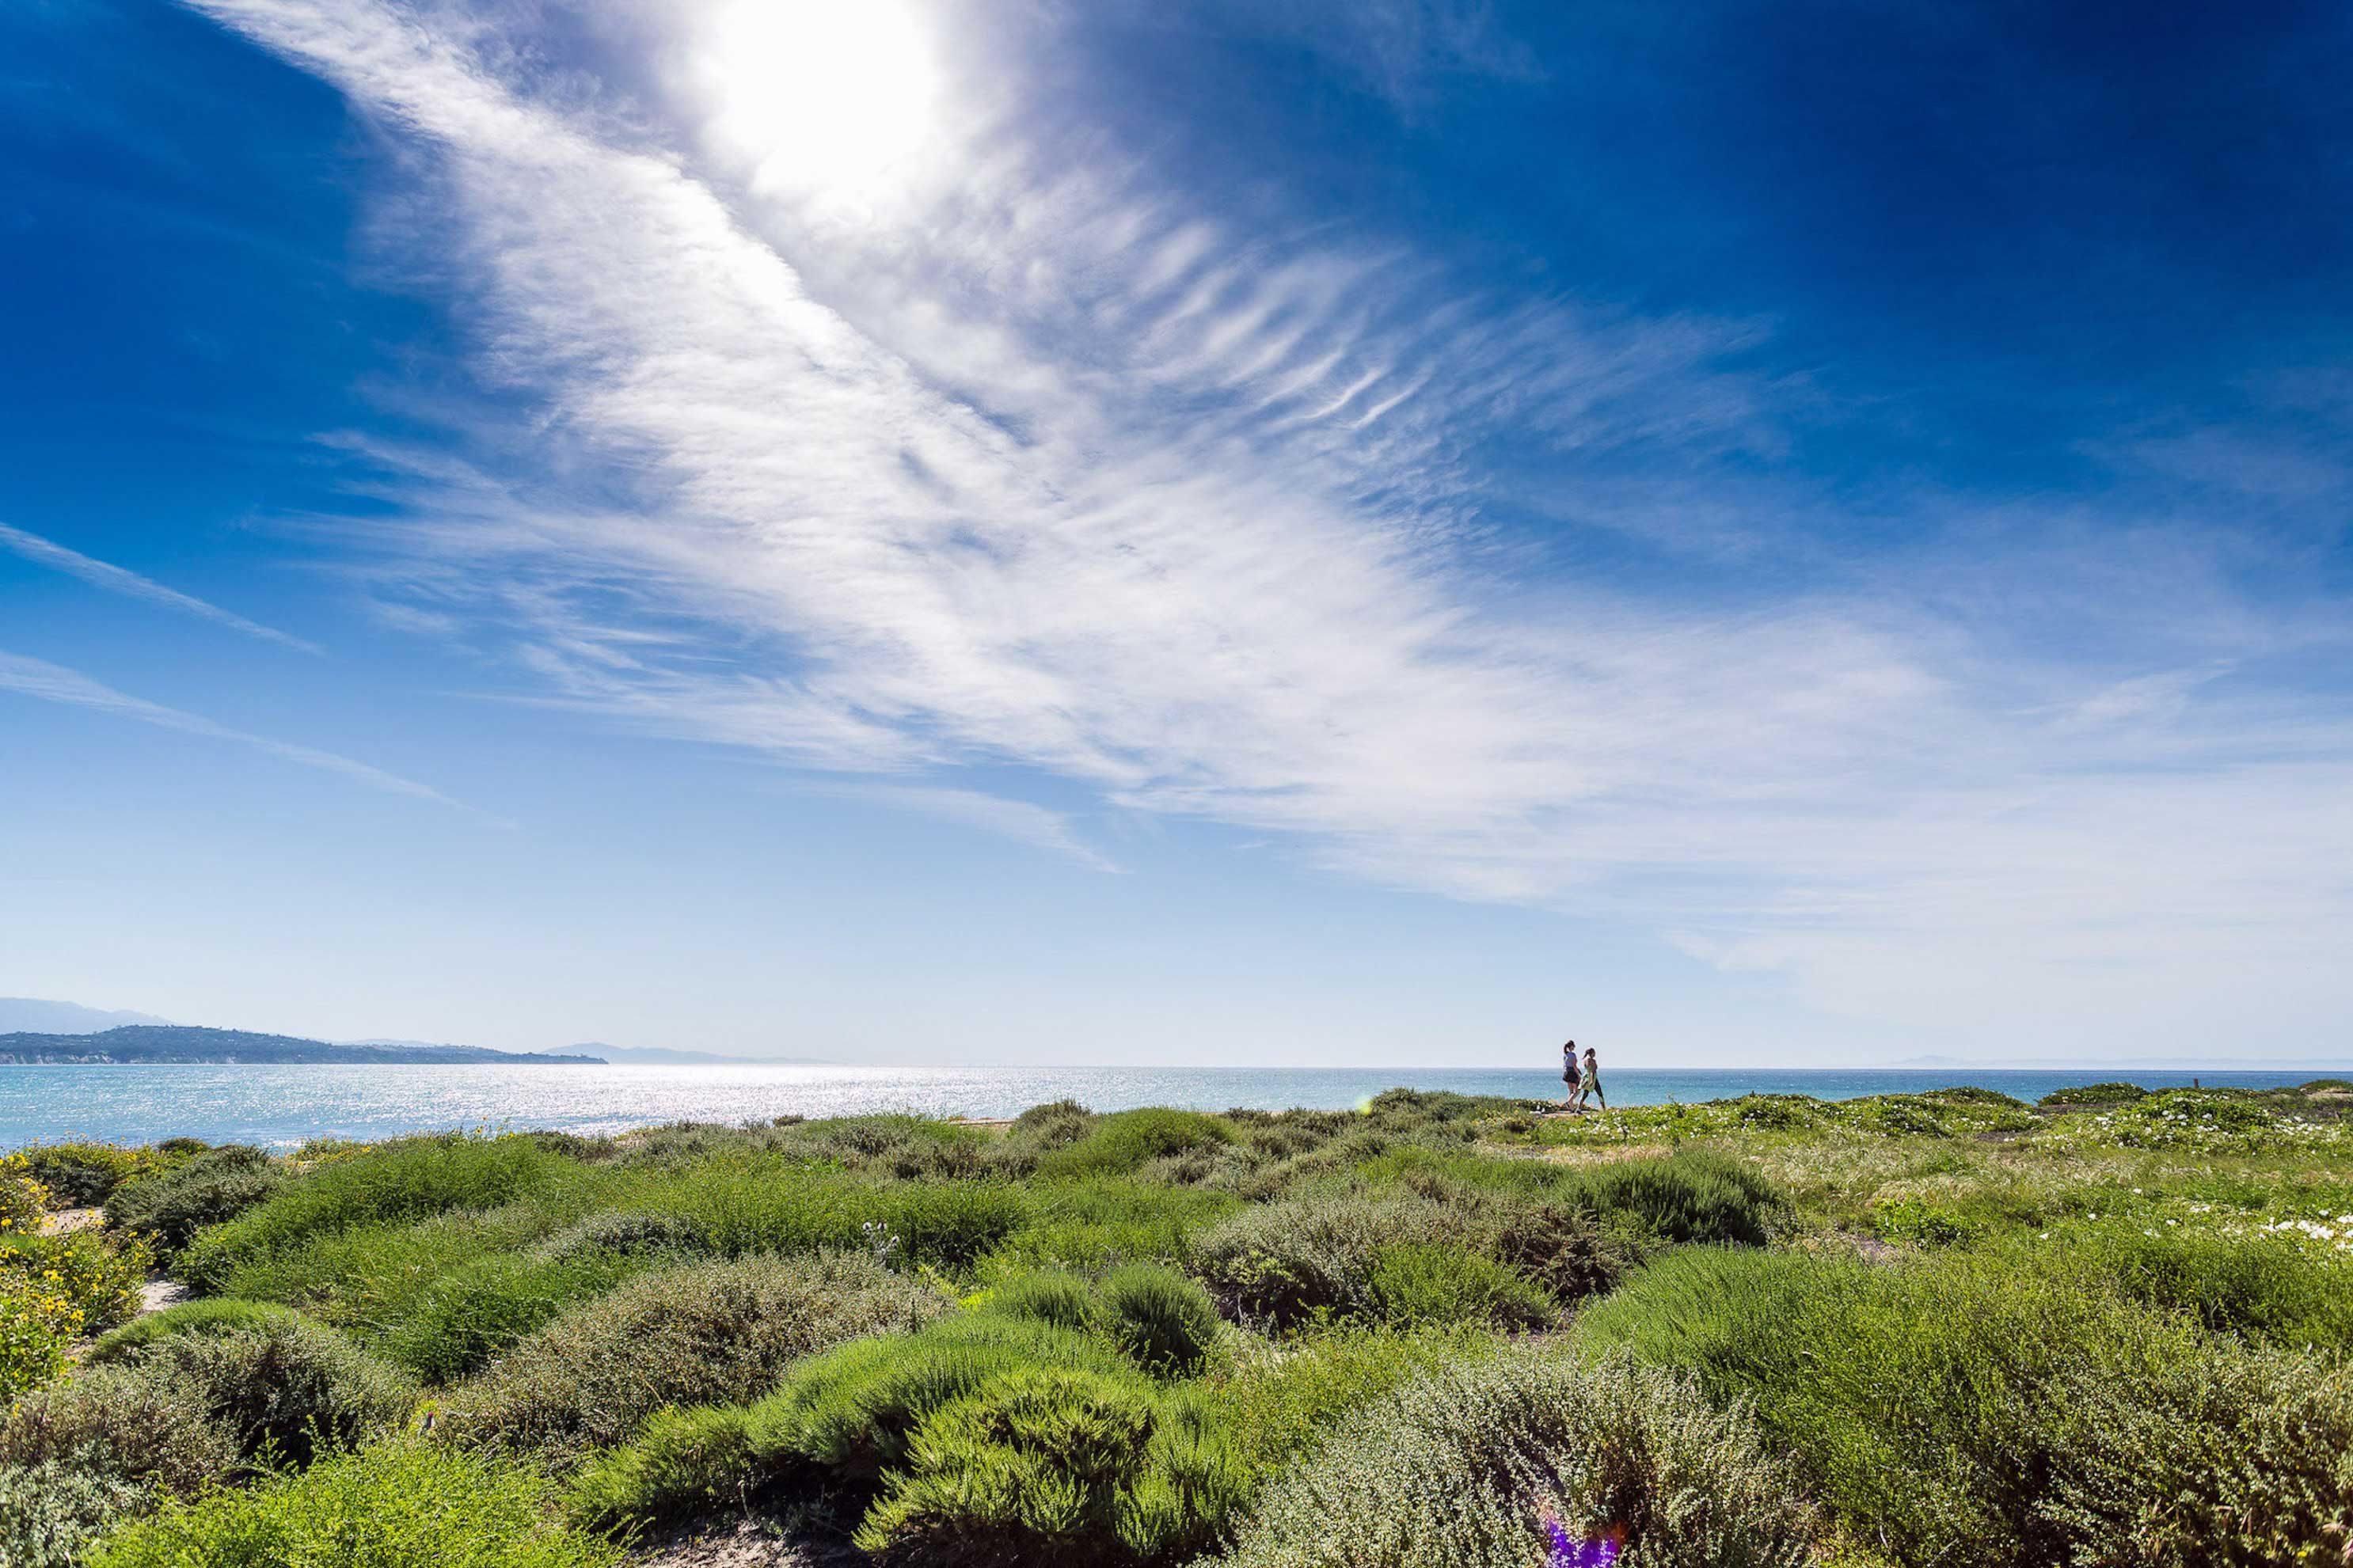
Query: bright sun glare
x,y
830,97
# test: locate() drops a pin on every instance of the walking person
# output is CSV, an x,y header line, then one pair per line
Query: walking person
x,y
1569,1075
1591,1083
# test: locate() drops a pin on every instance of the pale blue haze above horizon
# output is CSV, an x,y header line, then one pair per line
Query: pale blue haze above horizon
x,y
1229,533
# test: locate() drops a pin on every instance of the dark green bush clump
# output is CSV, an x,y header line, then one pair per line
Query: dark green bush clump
x,y
1475,1467
400,1504
214,1187
700,1333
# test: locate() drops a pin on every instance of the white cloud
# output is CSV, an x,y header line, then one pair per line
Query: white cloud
x,y
49,683
1029,460
116,580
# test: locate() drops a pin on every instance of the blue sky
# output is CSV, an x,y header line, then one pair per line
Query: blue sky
x,y
1239,532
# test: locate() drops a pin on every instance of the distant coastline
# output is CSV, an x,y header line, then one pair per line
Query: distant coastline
x,y
149,1045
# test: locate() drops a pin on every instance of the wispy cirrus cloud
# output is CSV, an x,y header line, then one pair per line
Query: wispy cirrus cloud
x,y
1029,457
117,580
47,682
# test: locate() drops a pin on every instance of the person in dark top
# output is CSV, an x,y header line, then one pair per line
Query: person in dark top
x,y
1569,1074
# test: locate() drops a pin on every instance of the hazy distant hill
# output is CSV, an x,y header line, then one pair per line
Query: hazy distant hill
x,y
32,1013
179,1043
664,1056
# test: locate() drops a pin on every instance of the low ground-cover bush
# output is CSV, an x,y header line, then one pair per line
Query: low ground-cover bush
x,y
406,1180
400,1504
741,1205
700,1333
214,1187
1525,1456
2259,1285
121,1422
1941,1407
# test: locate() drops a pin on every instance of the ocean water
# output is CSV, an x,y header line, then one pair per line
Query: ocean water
x,y
282,1106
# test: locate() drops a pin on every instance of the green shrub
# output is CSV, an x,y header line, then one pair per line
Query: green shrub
x,y
757,1205
282,1386
393,1505
1277,1404
1045,1128
851,1410
1936,1406
1284,1262
2094,1094
2242,1457
208,1315
23,1202
1050,1295
1160,1320
1566,1248
682,1463
368,1278
1417,1282
80,1175
467,1316
52,1514
215,1187
1518,1458
1056,1464
1121,1142
180,1148
406,1180
95,1281
1693,1194
2259,1285
630,1233
699,1333
125,1424
1098,1224
35,1329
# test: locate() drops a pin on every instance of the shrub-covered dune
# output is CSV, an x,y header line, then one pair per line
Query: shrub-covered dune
x,y
1946,1330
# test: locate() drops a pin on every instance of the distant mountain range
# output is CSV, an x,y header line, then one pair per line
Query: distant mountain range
x,y
181,1043
33,1016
